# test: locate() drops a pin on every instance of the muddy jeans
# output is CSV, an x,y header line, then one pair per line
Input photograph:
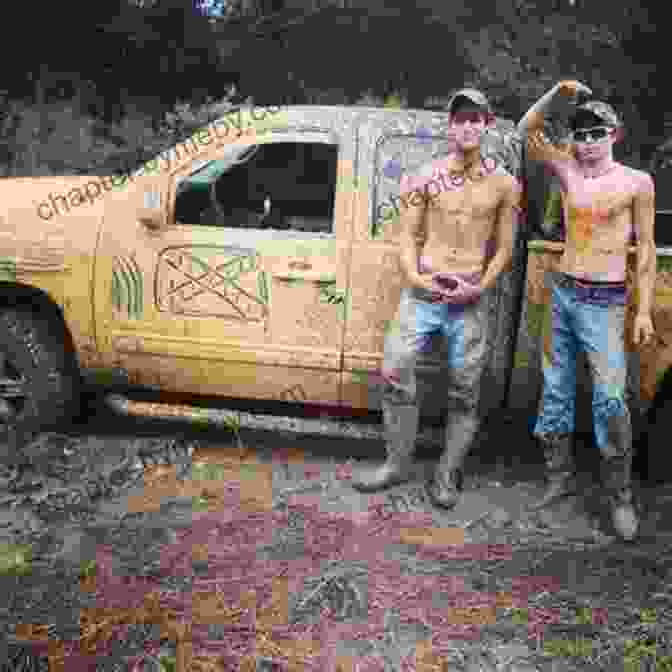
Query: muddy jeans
x,y
464,330
589,318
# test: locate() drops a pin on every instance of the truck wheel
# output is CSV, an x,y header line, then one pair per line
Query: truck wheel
x,y
39,378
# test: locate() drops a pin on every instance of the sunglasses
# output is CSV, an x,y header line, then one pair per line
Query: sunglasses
x,y
473,117
595,133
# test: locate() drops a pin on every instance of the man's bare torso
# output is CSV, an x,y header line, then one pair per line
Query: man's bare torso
x,y
460,219
598,213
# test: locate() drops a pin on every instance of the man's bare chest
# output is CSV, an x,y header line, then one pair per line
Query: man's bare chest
x,y
605,216
606,197
475,200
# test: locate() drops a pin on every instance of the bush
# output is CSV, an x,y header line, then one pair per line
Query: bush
x,y
60,139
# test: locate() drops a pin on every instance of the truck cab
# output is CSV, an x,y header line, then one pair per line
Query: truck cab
x,y
257,259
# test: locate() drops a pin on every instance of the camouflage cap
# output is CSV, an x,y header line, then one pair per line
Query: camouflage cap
x,y
602,111
472,95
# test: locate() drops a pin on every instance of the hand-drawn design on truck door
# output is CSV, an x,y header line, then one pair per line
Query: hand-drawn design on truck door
x,y
212,281
334,297
127,293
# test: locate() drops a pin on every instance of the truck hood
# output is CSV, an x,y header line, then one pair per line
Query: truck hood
x,y
45,219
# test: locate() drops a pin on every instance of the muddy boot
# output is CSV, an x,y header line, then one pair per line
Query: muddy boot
x,y
401,427
444,488
560,481
616,477
445,485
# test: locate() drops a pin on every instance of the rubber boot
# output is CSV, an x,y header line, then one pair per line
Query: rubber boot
x,y
401,428
560,479
617,479
445,485
444,488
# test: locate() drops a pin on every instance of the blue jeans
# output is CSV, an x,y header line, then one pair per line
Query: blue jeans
x,y
465,334
590,318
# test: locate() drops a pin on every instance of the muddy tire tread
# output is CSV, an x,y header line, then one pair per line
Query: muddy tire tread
x,y
36,343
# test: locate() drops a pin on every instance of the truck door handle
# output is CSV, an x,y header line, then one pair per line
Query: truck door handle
x,y
300,265
309,276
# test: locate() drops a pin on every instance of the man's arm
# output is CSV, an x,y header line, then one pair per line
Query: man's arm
x,y
643,215
506,213
531,126
412,229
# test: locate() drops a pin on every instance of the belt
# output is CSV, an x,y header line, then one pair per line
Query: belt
x,y
565,280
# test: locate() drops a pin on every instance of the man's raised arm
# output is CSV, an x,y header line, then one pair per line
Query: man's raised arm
x,y
531,126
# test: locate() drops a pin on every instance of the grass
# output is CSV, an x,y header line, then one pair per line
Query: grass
x,y
88,569
168,663
216,472
15,559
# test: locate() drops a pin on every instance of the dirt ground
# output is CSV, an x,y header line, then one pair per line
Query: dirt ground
x,y
208,535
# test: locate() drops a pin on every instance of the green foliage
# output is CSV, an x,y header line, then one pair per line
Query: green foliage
x,y
584,616
15,559
73,142
520,616
514,51
395,100
88,568
647,615
168,663
633,653
568,647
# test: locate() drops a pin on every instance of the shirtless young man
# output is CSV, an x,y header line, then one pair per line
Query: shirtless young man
x,y
444,248
603,202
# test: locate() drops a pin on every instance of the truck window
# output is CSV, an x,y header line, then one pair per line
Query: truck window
x,y
283,185
399,154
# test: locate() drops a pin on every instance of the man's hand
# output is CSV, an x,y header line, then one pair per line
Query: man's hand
x,y
424,281
456,290
572,88
643,331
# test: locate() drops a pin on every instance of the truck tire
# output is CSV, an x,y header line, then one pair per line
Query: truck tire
x,y
39,379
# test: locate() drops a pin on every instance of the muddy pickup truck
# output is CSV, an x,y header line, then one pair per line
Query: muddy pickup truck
x,y
255,260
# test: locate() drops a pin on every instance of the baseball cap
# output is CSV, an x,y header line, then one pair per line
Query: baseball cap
x,y
596,108
473,95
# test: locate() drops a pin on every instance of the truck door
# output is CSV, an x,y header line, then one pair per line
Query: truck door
x,y
237,295
387,148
